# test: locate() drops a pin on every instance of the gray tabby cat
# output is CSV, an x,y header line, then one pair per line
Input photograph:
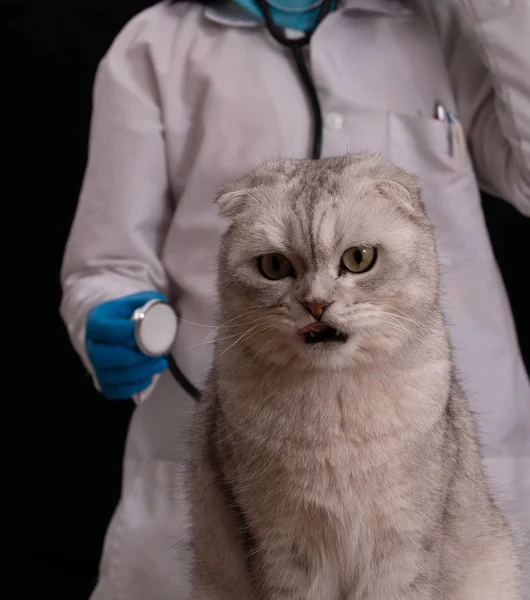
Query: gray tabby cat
x,y
334,454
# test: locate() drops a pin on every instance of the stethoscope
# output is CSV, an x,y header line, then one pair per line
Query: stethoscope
x,y
156,323
156,328
296,46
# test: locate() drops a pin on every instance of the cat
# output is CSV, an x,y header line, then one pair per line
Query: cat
x,y
333,455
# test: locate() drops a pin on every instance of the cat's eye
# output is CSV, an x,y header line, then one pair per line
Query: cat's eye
x,y
275,266
359,259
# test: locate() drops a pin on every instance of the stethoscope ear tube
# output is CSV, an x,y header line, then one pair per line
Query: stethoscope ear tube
x,y
311,92
296,45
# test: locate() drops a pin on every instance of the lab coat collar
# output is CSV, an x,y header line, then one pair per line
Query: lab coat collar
x,y
233,15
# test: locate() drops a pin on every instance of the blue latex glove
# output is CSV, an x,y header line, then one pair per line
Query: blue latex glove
x,y
120,367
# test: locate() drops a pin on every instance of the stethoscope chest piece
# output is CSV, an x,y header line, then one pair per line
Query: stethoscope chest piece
x,y
155,327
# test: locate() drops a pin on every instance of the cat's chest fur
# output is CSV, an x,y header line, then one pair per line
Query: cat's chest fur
x,y
333,467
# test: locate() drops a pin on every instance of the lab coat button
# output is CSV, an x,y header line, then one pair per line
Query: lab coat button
x,y
334,121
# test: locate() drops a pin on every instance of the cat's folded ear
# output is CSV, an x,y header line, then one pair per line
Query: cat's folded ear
x,y
232,198
404,188
231,201
237,194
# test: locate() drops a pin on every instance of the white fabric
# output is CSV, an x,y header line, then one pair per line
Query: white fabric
x,y
187,98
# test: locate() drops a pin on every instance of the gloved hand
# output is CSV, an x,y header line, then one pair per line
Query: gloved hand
x,y
122,370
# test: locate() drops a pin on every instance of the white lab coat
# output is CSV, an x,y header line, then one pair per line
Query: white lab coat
x,y
188,98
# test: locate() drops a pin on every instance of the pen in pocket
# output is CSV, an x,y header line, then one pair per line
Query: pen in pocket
x,y
443,115
450,138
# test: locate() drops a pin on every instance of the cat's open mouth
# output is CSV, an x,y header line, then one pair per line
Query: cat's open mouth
x,y
317,333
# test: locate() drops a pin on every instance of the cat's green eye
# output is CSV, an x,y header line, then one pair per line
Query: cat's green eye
x,y
359,259
275,266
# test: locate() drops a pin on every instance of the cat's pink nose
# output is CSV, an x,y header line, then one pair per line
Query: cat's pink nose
x,y
316,309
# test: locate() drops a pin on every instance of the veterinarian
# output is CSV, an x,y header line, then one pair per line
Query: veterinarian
x,y
190,96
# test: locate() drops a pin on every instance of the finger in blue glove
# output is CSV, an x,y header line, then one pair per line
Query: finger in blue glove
x,y
121,369
146,370
110,322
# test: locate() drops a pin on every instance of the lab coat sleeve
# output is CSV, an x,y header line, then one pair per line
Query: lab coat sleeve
x,y
125,204
499,132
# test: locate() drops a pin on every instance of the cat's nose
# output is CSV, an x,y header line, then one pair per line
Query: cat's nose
x,y
317,309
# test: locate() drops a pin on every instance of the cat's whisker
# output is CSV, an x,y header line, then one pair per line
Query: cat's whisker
x,y
225,324
395,324
392,308
393,329
206,342
403,317
218,339
242,337
377,345
399,327
260,331
279,338
181,320
247,321
397,313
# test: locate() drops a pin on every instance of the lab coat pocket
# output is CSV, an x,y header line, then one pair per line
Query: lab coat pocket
x,y
450,193
422,145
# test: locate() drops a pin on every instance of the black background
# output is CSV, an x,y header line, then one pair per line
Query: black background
x,y
70,440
